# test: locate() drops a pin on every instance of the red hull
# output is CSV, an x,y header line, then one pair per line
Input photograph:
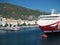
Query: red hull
x,y
50,27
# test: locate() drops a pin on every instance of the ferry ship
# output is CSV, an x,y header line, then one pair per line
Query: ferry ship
x,y
49,23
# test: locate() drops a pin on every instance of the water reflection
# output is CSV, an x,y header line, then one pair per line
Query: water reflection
x,y
26,36
53,39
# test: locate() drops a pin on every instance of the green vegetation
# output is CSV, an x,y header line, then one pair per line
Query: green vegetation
x,y
24,24
6,25
13,11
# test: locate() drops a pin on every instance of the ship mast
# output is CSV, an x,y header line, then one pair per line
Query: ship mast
x,y
53,11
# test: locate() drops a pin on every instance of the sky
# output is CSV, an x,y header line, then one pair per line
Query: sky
x,y
44,5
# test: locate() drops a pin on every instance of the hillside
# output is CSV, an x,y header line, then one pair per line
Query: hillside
x,y
13,11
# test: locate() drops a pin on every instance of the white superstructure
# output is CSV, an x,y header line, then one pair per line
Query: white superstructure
x,y
48,19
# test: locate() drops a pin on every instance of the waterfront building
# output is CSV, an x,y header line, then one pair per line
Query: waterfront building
x,y
32,22
2,21
20,21
11,22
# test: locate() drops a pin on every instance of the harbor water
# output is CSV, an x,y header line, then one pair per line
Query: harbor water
x,y
28,36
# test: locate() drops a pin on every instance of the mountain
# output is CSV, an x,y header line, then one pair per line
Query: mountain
x,y
18,12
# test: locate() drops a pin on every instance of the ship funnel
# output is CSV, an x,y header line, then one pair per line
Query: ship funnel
x,y
52,11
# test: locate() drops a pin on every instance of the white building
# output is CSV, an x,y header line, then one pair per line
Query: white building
x,y
33,22
2,21
12,22
20,22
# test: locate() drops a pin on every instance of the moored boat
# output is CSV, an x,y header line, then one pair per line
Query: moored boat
x,y
10,28
49,23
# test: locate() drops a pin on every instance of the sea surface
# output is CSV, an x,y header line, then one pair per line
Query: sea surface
x,y
28,36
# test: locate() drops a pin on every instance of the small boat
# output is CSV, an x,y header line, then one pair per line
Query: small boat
x,y
12,28
49,23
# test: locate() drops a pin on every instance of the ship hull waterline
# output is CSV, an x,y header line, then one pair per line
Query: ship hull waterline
x,y
53,27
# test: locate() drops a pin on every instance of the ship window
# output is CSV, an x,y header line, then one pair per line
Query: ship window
x,y
49,17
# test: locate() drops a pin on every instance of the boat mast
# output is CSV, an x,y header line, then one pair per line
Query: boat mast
x,y
53,11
